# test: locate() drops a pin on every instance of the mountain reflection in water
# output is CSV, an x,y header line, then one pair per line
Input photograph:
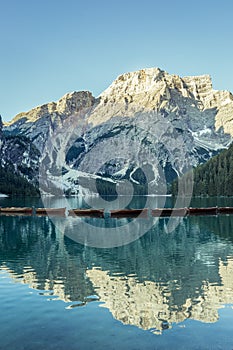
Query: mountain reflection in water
x,y
151,283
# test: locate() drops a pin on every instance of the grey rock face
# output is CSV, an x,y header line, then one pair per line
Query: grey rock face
x,y
146,119
22,154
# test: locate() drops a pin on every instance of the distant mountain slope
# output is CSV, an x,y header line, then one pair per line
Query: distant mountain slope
x,y
19,162
145,118
215,177
12,183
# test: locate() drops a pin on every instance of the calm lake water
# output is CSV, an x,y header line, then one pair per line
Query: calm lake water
x,y
166,290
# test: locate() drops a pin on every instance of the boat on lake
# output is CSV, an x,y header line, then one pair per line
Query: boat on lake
x,y
87,212
169,211
51,211
16,210
225,210
129,213
203,211
117,213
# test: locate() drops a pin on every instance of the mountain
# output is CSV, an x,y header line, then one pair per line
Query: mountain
x,y
19,161
147,126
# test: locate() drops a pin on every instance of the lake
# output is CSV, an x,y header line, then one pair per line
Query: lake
x,y
167,289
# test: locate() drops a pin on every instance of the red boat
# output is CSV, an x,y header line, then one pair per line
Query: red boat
x,y
87,212
51,211
129,213
15,210
203,211
225,210
169,211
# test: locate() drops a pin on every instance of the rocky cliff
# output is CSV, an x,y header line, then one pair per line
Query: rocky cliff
x,y
18,155
147,119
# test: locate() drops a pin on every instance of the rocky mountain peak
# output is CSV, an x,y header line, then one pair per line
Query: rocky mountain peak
x,y
153,89
150,89
69,104
74,101
147,115
154,80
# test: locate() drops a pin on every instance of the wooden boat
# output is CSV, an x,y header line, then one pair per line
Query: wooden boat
x,y
15,214
16,210
51,211
129,213
203,211
225,210
99,213
163,212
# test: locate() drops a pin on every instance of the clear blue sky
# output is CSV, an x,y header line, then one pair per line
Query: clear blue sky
x,y
52,47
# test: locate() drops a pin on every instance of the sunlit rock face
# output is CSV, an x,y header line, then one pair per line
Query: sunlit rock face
x,y
148,116
40,123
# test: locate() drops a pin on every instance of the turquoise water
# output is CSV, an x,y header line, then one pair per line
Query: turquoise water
x,y
163,291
